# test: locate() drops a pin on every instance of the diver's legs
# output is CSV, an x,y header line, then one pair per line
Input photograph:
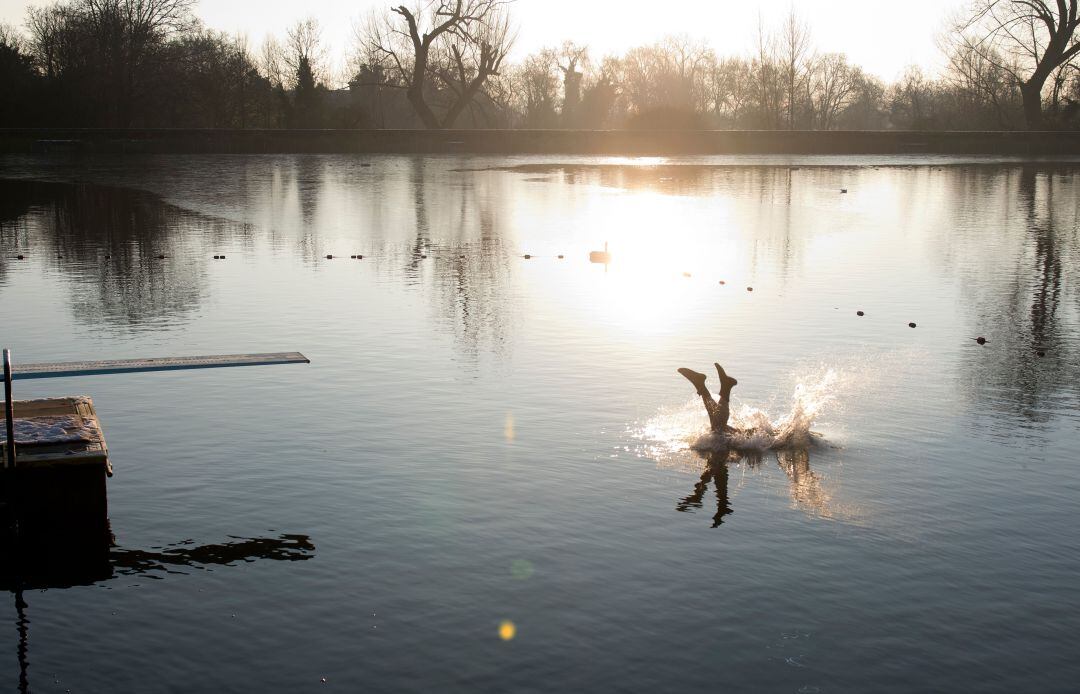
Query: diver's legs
x,y
723,406
698,379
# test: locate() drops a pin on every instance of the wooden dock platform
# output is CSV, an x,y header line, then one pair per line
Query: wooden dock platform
x,y
58,432
62,463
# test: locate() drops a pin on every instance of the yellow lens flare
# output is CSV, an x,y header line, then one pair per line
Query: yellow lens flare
x,y
507,630
508,428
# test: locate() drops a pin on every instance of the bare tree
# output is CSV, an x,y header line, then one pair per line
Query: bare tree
x,y
1029,39
833,82
303,44
793,57
11,38
442,49
571,57
272,62
731,88
537,85
118,41
979,83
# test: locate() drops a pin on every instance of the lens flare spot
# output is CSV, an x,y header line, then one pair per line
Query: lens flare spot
x,y
521,569
507,630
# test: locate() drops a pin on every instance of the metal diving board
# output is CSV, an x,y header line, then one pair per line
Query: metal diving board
x,y
123,366
120,366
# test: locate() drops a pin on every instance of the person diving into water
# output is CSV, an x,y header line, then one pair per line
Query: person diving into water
x,y
719,410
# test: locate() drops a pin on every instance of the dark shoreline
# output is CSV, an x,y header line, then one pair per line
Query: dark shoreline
x,y
591,142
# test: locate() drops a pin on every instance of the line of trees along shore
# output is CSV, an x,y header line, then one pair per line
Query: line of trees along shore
x,y
1012,64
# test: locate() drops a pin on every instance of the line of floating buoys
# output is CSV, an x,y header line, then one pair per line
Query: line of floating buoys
x,y
595,257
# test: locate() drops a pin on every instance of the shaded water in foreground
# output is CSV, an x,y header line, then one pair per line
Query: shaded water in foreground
x,y
484,439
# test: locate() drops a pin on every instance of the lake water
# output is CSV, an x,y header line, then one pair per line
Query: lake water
x,y
484,480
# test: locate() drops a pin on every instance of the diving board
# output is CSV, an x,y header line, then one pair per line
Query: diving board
x,y
119,366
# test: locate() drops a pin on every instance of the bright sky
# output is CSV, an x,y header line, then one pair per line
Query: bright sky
x,y
882,38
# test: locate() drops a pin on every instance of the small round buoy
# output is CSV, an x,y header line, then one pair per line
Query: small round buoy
x,y
723,283
108,257
21,257
1041,353
359,257
981,340
223,257
749,289
329,257
352,257
843,191
860,313
423,257
161,257
462,256
528,257
562,257
912,325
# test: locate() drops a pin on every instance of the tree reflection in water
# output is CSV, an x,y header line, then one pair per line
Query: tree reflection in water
x,y
111,240
1029,311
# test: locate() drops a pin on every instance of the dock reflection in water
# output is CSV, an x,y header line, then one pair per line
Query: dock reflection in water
x,y
33,564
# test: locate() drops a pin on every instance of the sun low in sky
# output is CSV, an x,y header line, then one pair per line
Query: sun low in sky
x,y
883,42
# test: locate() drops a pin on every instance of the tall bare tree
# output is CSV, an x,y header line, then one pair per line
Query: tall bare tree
x,y
793,58
571,57
443,50
832,85
1029,39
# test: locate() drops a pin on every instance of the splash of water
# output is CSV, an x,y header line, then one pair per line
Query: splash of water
x,y
757,430
815,393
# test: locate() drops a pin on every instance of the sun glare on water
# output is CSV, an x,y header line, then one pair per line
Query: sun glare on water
x,y
654,266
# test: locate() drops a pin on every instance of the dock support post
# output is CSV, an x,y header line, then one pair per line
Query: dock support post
x,y
9,412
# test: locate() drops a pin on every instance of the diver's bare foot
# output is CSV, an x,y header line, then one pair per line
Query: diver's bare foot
x,y
725,380
694,377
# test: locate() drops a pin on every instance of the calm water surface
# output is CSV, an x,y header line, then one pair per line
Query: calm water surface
x,y
483,439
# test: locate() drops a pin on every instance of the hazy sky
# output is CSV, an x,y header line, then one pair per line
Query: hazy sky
x,y
883,38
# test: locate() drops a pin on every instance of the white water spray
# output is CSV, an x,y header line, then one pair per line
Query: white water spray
x,y
816,392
